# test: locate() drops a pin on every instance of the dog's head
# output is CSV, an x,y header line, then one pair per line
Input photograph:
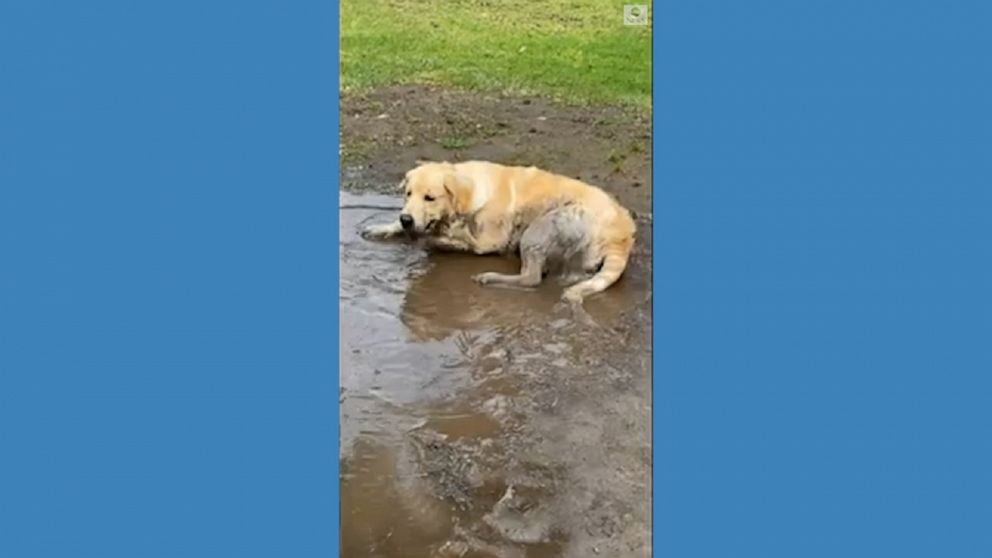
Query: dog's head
x,y
435,193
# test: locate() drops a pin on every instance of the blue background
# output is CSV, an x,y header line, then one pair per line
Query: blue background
x,y
822,306
168,274
168,334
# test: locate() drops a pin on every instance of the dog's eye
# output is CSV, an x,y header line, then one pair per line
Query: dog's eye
x,y
408,193
428,198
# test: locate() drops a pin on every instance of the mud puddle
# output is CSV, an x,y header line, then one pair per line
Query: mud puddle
x,y
482,422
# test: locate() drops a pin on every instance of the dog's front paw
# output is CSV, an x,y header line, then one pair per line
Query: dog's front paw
x,y
376,232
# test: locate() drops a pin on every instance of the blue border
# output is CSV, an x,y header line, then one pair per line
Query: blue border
x,y
168,279
822,301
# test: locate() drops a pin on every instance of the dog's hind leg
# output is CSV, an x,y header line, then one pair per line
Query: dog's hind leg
x,y
531,271
539,241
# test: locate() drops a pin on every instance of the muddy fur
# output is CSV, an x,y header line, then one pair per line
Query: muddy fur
x,y
558,240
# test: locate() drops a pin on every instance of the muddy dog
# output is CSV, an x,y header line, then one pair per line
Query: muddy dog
x,y
486,208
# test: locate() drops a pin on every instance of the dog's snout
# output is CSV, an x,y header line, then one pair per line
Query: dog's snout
x,y
406,221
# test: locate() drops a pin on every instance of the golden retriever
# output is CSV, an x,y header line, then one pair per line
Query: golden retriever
x,y
486,208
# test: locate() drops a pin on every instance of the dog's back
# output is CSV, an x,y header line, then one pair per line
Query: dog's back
x,y
525,193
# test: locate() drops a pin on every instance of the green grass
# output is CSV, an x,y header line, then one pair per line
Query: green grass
x,y
575,51
453,142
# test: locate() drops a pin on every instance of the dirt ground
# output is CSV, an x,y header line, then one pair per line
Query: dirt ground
x,y
384,133
482,422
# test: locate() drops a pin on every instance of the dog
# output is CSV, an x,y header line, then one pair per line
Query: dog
x,y
487,208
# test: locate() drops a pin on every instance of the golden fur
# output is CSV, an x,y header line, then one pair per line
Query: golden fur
x,y
488,208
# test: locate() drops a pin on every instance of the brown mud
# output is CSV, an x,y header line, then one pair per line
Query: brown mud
x,y
483,422
384,133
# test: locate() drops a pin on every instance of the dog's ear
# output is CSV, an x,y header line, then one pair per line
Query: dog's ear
x,y
459,188
402,186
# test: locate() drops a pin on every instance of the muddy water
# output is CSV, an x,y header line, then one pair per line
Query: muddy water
x,y
455,399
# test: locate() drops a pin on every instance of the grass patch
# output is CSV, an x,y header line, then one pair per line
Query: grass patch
x,y
452,142
616,159
575,51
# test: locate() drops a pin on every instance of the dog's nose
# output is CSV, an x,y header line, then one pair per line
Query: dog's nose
x,y
406,221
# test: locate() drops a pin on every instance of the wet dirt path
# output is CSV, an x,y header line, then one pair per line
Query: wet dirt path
x,y
481,422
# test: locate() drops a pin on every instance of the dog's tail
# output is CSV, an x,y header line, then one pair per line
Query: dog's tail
x,y
615,257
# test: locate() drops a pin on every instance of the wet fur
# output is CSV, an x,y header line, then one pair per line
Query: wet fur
x,y
551,220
